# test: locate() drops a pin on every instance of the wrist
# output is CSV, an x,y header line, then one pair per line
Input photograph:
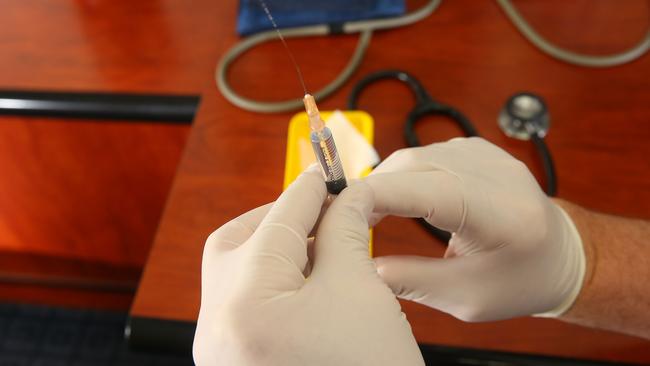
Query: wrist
x,y
583,222
573,251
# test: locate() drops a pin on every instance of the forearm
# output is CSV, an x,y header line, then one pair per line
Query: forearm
x,y
616,290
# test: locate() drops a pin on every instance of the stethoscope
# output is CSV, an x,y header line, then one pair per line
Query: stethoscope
x,y
365,29
524,116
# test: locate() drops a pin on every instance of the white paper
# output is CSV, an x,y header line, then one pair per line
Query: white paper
x,y
356,154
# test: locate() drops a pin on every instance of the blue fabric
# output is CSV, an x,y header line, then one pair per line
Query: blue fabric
x,y
293,13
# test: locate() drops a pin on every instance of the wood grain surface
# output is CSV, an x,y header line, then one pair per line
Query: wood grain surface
x,y
66,282
468,55
94,190
162,46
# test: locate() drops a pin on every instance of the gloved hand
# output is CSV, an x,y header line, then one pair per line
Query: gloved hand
x,y
513,251
258,308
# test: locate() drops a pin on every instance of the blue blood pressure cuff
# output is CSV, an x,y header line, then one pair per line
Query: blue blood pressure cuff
x,y
294,13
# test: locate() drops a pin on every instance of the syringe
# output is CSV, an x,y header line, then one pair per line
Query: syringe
x,y
324,148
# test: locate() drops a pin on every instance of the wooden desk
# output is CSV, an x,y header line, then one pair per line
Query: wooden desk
x,y
468,55
67,183
79,193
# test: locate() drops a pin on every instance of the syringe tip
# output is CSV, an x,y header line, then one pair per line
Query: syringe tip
x,y
315,122
310,104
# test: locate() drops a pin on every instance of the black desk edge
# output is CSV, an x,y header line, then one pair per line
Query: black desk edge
x,y
144,333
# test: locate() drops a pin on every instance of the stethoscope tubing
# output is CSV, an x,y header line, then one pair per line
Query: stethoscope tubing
x,y
364,27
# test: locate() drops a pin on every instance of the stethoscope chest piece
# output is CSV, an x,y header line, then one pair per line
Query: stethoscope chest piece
x,y
524,114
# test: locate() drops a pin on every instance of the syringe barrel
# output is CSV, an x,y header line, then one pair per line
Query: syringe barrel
x,y
328,157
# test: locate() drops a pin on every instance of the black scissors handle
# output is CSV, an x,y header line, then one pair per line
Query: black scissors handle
x,y
424,104
433,108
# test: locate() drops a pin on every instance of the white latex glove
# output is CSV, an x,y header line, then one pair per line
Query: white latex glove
x,y
257,307
513,252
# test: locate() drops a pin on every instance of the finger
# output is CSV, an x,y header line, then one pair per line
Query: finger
x,y
310,255
450,285
440,156
450,252
235,232
323,209
434,195
375,218
280,242
451,247
403,160
342,238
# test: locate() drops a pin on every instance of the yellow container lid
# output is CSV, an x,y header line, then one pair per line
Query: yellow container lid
x,y
300,154
299,150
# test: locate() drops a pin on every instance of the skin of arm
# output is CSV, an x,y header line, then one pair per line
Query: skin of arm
x,y
616,291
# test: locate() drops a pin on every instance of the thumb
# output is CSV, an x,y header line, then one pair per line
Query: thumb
x,y
342,239
448,285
